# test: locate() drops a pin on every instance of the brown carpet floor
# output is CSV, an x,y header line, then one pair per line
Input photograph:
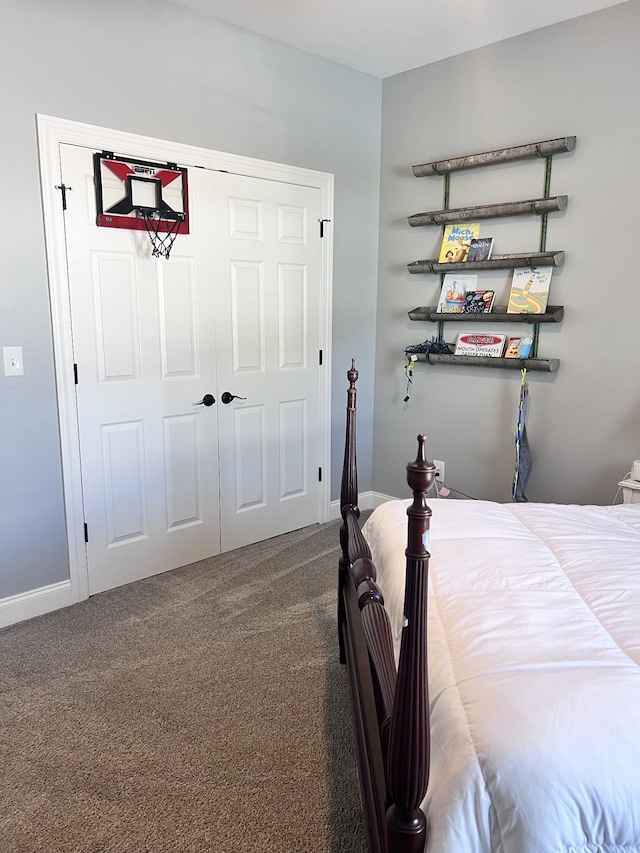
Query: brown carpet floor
x,y
199,710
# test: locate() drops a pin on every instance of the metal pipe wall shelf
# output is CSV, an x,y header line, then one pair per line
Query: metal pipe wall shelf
x,y
502,155
498,314
497,262
537,206
544,365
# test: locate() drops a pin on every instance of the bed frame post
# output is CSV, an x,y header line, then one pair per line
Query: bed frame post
x,y
348,495
390,710
409,746
358,597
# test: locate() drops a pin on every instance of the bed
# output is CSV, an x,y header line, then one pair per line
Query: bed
x,y
524,736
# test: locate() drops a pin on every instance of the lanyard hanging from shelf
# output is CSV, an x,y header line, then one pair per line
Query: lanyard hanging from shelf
x,y
523,454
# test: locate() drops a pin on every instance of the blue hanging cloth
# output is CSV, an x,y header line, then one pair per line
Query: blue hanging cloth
x,y
523,454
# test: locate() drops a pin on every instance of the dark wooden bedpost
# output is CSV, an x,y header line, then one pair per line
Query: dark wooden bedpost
x,y
348,495
366,644
408,757
349,487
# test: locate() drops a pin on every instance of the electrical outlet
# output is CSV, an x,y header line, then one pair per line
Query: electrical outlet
x,y
439,469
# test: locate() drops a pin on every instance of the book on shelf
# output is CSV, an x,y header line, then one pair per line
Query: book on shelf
x,y
456,241
478,301
480,249
529,290
490,345
518,347
452,292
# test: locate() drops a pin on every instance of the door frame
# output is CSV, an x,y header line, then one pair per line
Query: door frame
x,y
52,132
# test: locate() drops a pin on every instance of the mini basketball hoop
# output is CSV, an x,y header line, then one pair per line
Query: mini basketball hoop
x,y
161,241
142,195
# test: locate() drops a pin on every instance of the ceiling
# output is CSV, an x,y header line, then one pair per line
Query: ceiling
x,y
386,37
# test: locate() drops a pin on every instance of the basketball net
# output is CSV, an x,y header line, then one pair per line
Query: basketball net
x,y
161,241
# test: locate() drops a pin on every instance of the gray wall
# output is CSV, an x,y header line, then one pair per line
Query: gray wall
x,y
199,82
580,77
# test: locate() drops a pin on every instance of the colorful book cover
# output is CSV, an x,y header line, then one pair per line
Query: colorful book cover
x,y
453,292
518,347
478,301
471,343
480,249
456,241
529,290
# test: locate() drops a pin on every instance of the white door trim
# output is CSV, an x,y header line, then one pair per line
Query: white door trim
x,y
51,133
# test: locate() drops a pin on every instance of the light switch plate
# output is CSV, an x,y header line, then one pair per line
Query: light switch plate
x,y
13,361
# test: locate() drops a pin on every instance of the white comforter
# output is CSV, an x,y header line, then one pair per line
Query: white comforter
x,y
534,672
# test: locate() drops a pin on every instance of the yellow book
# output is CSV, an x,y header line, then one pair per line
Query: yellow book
x,y
456,241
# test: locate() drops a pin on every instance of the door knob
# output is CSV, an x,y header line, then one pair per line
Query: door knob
x,y
207,400
228,397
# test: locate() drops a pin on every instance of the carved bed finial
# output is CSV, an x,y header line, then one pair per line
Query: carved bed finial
x,y
420,476
352,373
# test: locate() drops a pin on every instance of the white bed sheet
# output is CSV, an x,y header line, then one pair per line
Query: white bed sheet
x,y
534,672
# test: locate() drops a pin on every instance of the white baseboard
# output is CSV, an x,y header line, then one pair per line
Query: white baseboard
x,y
367,500
35,602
